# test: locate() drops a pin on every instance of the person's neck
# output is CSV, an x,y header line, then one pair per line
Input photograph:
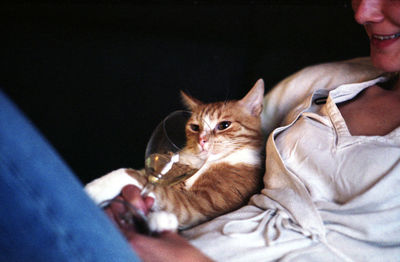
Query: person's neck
x,y
396,87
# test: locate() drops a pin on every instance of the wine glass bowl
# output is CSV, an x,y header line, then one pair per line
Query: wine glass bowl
x,y
166,163
169,135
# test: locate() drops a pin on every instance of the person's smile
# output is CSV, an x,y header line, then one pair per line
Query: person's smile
x,y
382,41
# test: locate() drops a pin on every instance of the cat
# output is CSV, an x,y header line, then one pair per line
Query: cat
x,y
233,169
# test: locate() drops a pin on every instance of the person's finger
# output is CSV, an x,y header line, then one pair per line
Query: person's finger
x,y
117,206
118,211
131,191
149,202
132,194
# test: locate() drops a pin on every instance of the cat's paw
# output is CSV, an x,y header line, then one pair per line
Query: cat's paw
x,y
160,221
110,185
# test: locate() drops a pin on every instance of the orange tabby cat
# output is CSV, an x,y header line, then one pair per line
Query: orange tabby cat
x,y
233,170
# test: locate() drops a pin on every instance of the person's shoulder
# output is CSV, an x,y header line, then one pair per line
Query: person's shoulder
x,y
346,71
294,89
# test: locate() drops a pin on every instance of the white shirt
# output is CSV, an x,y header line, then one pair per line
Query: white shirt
x,y
329,196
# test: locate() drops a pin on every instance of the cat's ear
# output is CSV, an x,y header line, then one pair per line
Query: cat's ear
x,y
190,102
253,101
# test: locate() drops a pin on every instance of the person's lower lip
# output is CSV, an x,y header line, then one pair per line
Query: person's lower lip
x,y
383,43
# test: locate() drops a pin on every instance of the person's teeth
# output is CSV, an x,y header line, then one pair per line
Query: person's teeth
x,y
386,37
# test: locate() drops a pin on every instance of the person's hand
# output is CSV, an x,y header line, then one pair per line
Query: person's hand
x,y
120,212
166,246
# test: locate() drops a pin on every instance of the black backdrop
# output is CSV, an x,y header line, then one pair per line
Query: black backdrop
x,y
97,78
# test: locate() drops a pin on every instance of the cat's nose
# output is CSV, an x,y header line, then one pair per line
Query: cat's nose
x,y
203,140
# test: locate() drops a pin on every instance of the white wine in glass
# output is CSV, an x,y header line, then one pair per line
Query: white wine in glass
x,y
165,163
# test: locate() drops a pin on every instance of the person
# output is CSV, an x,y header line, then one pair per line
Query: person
x,y
332,166
45,215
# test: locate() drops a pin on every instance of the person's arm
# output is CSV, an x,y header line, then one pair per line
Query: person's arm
x,y
167,246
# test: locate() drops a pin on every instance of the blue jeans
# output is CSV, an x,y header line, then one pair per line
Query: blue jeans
x,y
44,213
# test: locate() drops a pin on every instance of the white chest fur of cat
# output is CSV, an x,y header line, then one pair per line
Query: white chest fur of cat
x,y
231,174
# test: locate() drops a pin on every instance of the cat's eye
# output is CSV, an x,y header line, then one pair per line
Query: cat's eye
x,y
223,125
194,127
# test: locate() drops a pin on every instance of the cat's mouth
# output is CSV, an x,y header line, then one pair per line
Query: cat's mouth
x,y
204,148
203,153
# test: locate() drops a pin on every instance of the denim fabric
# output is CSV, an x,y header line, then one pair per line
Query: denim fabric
x,y
44,213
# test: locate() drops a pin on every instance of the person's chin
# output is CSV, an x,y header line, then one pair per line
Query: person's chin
x,y
388,62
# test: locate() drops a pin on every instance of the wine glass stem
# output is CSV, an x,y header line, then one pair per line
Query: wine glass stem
x,y
147,189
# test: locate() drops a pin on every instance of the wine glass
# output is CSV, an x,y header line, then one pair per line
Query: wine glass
x,y
165,161
166,164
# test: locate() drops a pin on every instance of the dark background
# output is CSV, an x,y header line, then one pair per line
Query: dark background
x,y
96,78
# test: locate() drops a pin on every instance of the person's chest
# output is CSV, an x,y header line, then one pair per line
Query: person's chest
x,y
373,112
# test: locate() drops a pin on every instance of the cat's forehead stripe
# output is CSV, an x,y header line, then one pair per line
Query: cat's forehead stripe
x,y
209,116
211,110
216,110
208,122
